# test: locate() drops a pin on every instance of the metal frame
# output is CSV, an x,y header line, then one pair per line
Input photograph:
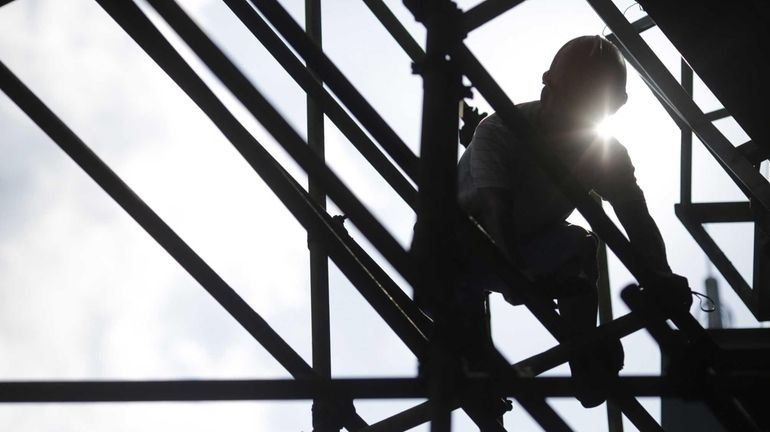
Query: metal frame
x,y
740,162
442,379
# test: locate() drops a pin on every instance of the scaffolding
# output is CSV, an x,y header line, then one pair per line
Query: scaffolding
x,y
722,378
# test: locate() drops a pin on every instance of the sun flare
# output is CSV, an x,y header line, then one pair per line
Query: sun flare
x,y
608,127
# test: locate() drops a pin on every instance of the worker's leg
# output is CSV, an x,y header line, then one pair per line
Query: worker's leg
x,y
565,260
576,281
579,310
474,337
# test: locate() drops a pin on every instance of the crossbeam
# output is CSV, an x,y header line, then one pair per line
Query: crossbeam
x,y
302,389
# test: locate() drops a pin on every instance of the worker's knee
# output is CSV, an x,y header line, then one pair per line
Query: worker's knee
x,y
584,246
584,243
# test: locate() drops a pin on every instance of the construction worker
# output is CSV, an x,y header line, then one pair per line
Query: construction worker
x,y
524,211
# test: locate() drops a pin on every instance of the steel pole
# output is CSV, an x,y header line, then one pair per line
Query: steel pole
x,y
685,167
319,262
434,249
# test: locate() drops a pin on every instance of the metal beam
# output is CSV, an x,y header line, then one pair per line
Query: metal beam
x,y
309,83
717,212
614,415
641,25
360,388
320,331
685,160
761,282
433,248
396,29
486,11
716,114
755,152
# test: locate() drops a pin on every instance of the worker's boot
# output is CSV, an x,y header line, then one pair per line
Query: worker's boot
x,y
595,368
595,373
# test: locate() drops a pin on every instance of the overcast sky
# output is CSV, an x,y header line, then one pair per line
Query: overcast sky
x,y
85,293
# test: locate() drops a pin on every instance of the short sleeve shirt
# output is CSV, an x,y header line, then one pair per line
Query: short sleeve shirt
x,y
495,159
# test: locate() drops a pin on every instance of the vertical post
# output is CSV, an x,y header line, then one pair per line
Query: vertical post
x,y
685,168
712,290
614,417
319,263
434,247
761,282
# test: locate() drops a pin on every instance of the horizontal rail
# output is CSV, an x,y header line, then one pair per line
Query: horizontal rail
x,y
755,152
717,212
359,388
716,115
641,25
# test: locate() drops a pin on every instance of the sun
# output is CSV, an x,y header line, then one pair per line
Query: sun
x,y
608,127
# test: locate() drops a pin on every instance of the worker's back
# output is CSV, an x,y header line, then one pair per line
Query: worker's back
x,y
495,158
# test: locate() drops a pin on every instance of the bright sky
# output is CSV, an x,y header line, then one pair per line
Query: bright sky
x,y
86,294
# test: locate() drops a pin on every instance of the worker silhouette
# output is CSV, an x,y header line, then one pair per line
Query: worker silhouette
x,y
524,211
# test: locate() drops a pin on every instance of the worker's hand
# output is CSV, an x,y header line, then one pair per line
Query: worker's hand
x,y
673,290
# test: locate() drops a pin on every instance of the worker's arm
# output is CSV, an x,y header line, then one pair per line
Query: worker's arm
x,y
646,239
620,188
643,233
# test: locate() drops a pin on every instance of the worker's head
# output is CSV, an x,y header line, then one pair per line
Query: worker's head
x,y
586,81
